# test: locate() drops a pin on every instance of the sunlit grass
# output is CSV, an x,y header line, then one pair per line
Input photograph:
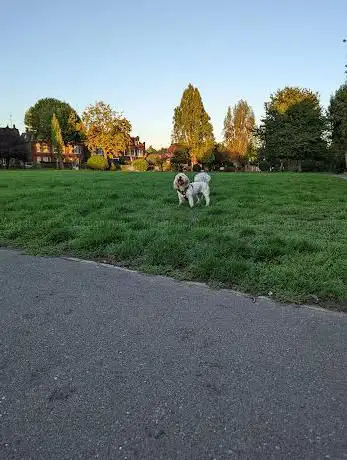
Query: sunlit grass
x,y
284,233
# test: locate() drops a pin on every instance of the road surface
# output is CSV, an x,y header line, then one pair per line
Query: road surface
x,y
98,362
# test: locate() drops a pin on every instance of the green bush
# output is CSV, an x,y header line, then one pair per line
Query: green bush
x,y
264,165
140,164
97,162
152,159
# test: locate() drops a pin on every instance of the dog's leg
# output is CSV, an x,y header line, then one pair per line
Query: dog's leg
x,y
207,198
180,198
191,201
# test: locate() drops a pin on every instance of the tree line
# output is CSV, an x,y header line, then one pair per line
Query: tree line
x,y
294,134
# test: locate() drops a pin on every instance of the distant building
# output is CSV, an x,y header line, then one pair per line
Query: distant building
x,y
24,148
42,152
136,149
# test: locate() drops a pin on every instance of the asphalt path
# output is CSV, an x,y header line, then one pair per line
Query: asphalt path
x,y
100,362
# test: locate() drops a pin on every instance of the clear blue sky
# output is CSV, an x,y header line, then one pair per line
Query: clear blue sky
x,y
140,55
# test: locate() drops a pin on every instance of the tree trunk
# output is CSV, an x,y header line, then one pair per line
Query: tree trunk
x,y
299,166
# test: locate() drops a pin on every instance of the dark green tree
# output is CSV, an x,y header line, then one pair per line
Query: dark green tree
x,y
180,156
191,125
337,113
38,119
292,131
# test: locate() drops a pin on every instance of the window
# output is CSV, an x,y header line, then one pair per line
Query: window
x,y
38,148
38,159
78,150
45,159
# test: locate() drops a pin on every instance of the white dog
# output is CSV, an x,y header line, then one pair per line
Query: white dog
x,y
189,191
202,177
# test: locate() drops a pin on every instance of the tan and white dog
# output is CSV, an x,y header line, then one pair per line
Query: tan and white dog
x,y
187,190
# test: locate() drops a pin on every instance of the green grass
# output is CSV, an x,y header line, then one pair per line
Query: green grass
x,y
284,233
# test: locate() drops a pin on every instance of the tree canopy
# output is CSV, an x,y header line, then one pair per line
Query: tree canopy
x,y
191,125
293,128
38,120
105,129
239,124
338,124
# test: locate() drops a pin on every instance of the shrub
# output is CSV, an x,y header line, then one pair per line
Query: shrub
x,y
140,164
180,156
196,168
124,160
152,159
115,167
167,166
264,165
97,162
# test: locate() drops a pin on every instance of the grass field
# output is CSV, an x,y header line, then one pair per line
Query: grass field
x,y
284,233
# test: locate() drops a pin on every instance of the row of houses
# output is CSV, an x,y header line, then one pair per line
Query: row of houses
x,y
24,147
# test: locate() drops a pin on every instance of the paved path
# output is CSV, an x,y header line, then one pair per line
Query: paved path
x,y
96,362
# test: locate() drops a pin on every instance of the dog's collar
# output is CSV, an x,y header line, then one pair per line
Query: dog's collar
x,y
183,192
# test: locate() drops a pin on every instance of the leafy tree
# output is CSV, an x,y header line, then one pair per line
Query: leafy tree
x,y
239,124
292,129
105,129
285,98
180,156
222,156
228,126
191,125
38,119
151,150
338,123
57,140
12,146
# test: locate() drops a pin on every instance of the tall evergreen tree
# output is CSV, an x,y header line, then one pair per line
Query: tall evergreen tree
x,y
239,124
191,125
57,140
228,126
338,124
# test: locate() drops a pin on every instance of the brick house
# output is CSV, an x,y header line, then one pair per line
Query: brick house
x,y
136,148
42,152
